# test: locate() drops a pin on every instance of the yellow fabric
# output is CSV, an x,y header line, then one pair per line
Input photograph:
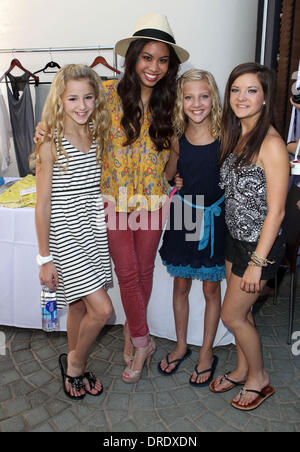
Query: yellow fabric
x,y
15,196
133,175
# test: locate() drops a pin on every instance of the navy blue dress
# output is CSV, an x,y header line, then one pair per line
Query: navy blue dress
x,y
185,232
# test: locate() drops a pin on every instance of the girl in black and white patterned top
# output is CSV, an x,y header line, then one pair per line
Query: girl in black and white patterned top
x,y
254,174
70,220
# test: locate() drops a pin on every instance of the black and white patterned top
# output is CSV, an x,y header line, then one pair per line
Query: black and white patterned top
x,y
245,199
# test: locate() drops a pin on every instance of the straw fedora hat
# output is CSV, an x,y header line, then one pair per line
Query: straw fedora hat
x,y
155,27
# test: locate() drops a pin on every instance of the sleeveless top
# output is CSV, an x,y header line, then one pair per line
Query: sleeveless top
x,y
185,251
78,237
245,199
21,118
198,167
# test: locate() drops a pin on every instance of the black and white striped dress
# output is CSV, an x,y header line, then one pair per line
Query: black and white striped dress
x,y
78,237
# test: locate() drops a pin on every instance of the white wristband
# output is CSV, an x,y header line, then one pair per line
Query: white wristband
x,y
41,260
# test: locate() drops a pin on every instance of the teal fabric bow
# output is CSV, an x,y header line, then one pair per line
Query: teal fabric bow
x,y
210,213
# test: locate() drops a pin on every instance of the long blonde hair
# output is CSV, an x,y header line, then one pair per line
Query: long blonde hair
x,y
179,117
53,113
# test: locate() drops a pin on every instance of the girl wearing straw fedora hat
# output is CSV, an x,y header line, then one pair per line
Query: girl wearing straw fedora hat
x,y
155,27
133,168
133,179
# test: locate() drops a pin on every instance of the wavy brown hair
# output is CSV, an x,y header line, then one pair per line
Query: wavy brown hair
x,y
248,147
161,103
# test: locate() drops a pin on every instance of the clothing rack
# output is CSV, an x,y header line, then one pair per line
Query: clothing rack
x,y
62,49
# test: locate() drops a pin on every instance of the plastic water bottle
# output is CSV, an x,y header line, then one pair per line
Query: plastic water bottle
x,y
49,309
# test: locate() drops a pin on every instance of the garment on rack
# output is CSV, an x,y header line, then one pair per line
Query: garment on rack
x,y
41,93
5,134
21,117
18,83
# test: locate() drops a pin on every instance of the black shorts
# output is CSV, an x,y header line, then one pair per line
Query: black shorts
x,y
239,253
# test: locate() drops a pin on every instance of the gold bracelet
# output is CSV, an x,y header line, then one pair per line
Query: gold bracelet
x,y
254,264
257,262
261,261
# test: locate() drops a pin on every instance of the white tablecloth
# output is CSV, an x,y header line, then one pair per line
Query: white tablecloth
x,y
20,287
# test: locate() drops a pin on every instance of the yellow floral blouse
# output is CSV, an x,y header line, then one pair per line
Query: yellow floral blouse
x,y
132,176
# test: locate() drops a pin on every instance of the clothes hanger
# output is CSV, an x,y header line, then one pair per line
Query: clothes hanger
x,y
51,64
102,60
16,63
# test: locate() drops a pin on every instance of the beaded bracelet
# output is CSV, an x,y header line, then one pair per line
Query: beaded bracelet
x,y
253,264
258,261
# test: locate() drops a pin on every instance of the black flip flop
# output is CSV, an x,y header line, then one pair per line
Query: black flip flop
x,y
211,370
74,382
92,379
178,361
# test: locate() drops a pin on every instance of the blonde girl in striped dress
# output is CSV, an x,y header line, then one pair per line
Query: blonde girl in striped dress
x,y
70,220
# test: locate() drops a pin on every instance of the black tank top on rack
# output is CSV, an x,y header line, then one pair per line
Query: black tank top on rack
x,y
21,117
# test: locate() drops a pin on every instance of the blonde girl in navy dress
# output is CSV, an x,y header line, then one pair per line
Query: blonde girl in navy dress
x,y
195,159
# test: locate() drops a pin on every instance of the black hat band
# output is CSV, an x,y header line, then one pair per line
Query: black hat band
x,y
156,34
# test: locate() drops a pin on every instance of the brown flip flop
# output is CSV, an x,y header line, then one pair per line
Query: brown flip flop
x,y
262,395
224,377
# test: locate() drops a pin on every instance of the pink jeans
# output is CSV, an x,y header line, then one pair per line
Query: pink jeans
x,y
133,251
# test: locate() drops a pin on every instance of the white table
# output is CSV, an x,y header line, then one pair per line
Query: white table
x,y
20,287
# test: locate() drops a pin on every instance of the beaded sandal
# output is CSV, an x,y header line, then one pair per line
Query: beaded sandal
x,y
74,382
92,379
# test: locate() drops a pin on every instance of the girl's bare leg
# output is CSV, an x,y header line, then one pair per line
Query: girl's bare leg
x,y
236,315
182,287
212,295
241,372
98,311
128,352
76,312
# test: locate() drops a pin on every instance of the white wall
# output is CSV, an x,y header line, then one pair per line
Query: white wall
x,y
219,34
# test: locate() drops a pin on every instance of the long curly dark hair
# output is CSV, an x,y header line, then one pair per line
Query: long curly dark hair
x,y
161,103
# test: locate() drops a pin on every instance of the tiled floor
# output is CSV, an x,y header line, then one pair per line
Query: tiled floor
x,y
32,399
